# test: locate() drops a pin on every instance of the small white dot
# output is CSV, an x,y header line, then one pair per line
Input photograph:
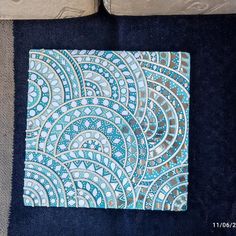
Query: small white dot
x,y
86,175
39,107
64,109
48,125
84,102
40,82
44,99
55,116
44,134
33,77
123,91
95,101
121,82
123,99
115,106
73,104
45,89
105,103
32,112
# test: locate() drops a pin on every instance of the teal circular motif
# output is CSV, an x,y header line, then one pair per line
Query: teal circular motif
x,y
38,95
107,129
34,94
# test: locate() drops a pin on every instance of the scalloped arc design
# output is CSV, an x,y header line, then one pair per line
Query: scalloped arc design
x,y
107,129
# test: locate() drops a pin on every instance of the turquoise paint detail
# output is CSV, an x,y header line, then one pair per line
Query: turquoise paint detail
x,y
107,129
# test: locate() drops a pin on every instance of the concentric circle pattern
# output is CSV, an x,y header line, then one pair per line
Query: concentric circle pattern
x,y
107,129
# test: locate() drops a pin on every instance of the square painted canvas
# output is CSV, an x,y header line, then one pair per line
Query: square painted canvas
x,y
107,129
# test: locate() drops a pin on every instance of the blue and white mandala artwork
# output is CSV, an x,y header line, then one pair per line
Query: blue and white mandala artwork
x,y
107,129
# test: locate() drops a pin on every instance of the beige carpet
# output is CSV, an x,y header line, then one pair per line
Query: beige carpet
x,y
6,120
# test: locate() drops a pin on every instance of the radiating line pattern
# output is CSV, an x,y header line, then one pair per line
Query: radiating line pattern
x,y
107,129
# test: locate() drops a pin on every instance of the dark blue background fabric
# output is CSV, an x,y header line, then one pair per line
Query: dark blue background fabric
x,y
211,40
